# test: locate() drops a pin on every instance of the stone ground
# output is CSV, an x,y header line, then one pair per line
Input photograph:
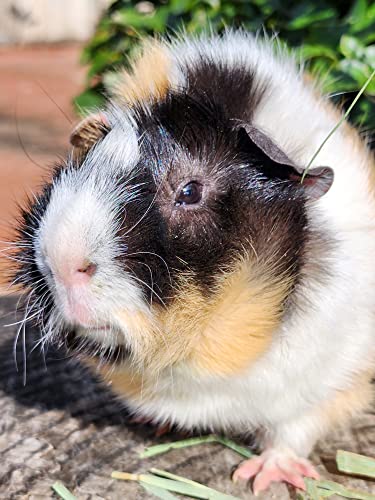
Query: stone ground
x,y
63,424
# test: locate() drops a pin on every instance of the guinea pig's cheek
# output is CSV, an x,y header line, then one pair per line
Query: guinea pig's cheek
x,y
137,326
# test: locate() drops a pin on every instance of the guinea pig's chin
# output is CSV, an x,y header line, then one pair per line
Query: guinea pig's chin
x,y
105,336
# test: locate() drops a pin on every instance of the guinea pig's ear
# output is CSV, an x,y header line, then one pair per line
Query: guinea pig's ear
x,y
88,132
316,181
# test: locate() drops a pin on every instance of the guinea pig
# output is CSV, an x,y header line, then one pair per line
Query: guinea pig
x,y
186,250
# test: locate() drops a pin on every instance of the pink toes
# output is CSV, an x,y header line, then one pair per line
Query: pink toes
x,y
248,469
275,466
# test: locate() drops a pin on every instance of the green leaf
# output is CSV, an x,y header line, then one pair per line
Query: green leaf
x,y
369,56
155,21
357,70
305,20
351,47
308,51
88,100
358,12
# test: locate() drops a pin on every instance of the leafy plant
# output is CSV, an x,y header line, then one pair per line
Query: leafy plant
x,y
335,38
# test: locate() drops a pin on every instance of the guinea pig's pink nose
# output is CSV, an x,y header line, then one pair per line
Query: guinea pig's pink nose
x,y
73,272
88,268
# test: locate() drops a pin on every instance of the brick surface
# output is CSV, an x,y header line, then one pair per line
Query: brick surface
x,y
64,425
33,130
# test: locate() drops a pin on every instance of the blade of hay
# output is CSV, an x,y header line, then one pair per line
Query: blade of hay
x,y
344,117
353,463
209,493
312,490
341,490
62,491
176,484
241,450
158,492
164,448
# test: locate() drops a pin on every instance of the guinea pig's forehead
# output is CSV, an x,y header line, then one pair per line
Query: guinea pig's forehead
x,y
120,148
117,152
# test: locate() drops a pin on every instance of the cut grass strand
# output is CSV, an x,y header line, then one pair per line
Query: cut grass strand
x,y
161,480
62,491
344,117
352,463
164,448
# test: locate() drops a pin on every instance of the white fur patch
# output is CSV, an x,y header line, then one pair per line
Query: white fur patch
x,y
81,222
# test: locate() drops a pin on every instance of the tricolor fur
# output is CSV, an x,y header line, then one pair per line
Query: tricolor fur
x,y
254,310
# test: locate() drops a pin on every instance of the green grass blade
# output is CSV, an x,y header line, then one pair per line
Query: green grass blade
x,y
312,490
198,488
241,450
172,483
62,491
341,490
169,475
348,111
352,463
164,448
158,492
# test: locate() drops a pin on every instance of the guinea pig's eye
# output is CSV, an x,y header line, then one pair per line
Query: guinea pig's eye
x,y
190,194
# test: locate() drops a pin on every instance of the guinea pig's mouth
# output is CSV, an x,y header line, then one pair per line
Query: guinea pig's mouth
x,y
89,347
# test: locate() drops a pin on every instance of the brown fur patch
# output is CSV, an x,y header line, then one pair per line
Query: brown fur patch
x,y
148,77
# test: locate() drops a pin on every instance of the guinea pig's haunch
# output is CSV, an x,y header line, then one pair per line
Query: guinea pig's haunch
x,y
178,247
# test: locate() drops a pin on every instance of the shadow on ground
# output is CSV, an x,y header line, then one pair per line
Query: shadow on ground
x,y
54,380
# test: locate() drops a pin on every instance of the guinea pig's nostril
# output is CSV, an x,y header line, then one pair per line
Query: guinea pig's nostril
x,y
88,268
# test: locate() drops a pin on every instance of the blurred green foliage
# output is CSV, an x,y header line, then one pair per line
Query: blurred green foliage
x,y
336,39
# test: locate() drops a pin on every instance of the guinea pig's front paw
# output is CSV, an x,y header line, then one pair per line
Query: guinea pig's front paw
x,y
275,465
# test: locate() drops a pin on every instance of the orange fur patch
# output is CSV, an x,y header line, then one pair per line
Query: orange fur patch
x,y
349,403
149,76
124,382
227,333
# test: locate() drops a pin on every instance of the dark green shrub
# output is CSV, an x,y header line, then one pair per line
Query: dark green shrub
x,y
335,38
